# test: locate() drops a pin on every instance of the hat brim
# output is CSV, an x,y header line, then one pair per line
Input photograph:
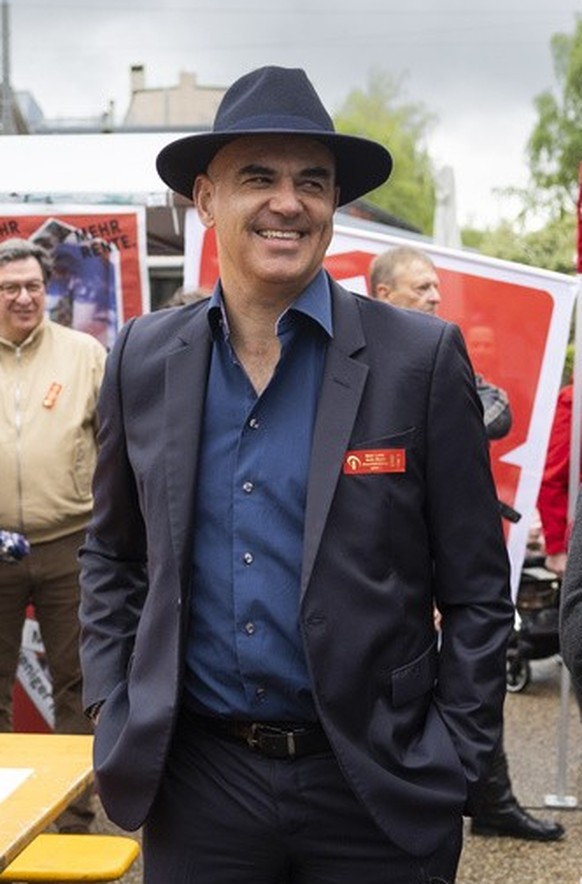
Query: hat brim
x,y
361,165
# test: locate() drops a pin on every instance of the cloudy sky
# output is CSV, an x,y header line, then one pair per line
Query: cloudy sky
x,y
476,64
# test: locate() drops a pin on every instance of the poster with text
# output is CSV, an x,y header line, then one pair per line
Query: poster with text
x,y
99,270
516,324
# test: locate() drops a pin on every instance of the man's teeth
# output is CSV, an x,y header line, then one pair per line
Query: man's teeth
x,y
280,234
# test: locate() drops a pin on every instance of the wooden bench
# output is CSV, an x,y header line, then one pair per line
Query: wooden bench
x,y
73,858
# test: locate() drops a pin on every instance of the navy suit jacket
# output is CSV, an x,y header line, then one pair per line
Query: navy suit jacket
x,y
412,725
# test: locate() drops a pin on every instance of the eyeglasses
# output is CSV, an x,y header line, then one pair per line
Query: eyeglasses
x,y
13,289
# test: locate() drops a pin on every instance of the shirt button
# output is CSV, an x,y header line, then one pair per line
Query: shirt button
x,y
249,628
248,558
260,693
248,487
254,423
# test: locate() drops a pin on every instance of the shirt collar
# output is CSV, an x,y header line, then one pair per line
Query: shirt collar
x,y
313,302
32,339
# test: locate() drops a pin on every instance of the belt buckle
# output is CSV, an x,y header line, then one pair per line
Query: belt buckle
x,y
258,730
252,738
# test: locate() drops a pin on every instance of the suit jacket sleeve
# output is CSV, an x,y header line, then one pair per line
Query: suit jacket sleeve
x,y
113,557
470,560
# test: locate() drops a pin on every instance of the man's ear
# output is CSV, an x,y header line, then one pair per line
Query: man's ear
x,y
202,197
383,292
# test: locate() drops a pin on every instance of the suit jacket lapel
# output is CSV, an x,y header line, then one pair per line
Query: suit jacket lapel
x,y
185,390
342,388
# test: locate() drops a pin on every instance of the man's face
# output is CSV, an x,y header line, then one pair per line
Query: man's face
x,y
416,286
22,298
271,200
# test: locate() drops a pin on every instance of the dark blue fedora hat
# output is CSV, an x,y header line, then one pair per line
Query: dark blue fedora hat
x,y
275,100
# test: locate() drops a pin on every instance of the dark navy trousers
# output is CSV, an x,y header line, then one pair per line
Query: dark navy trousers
x,y
227,815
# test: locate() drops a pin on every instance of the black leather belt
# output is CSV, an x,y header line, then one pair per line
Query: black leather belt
x,y
273,739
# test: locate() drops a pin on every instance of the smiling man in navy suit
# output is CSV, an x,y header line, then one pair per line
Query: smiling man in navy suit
x,y
290,478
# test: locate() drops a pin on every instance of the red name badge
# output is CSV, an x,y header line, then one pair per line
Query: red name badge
x,y
375,460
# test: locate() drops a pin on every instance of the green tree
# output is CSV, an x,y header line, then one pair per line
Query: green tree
x,y
380,113
544,232
555,145
551,246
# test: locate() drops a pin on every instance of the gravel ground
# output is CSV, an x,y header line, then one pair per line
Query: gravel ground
x,y
533,733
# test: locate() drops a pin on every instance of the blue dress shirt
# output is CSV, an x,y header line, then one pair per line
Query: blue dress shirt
x,y
245,656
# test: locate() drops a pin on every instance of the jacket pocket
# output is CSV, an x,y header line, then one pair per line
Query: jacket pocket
x,y
414,679
402,439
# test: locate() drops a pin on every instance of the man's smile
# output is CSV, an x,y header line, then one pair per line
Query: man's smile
x,y
280,234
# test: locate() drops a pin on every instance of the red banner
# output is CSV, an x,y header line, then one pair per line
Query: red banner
x,y
99,277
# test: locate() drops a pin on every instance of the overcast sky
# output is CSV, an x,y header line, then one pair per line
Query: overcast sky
x,y
476,64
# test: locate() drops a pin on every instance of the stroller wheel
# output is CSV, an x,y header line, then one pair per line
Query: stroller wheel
x,y
517,673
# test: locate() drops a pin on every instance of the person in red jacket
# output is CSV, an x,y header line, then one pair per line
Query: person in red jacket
x,y
553,495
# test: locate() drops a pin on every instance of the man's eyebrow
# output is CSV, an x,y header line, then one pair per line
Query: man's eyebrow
x,y
255,169
317,172
309,172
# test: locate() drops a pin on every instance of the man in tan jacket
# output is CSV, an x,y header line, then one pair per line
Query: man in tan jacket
x,y
50,380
